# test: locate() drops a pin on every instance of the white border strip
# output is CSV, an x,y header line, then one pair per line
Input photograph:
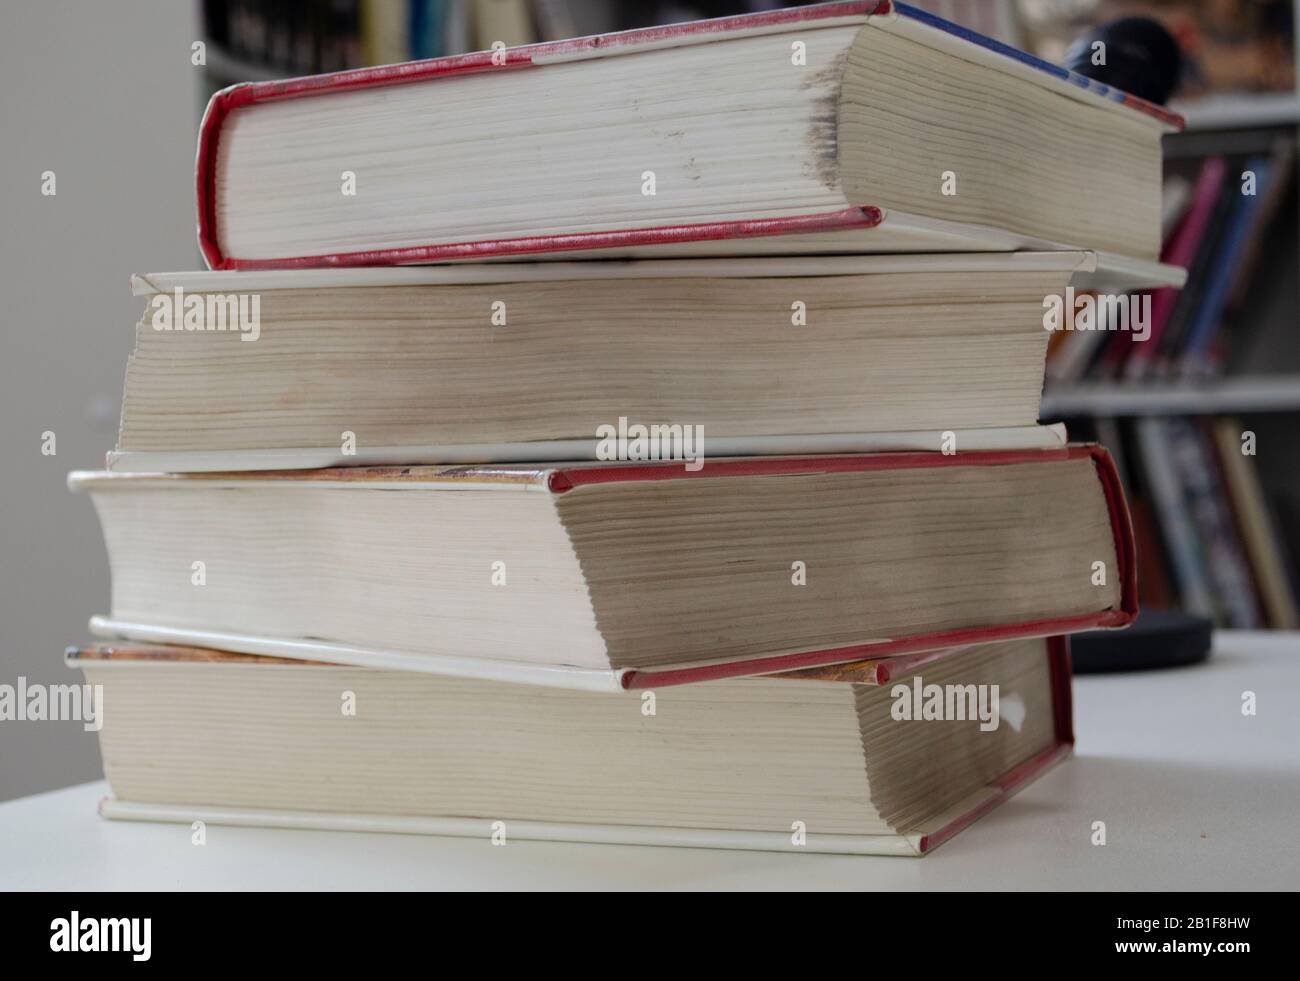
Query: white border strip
x,y
551,452
606,269
236,476
1122,271
1103,269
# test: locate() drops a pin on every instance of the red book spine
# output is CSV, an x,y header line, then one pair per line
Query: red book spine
x,y
1019,777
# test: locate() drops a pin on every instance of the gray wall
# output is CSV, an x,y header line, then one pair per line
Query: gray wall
x,y
104,95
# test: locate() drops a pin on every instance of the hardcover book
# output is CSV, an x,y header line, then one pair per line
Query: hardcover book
x,y
839,127
628,575
825,761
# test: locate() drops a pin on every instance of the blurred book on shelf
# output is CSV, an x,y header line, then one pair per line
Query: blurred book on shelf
x,y
1217,219
1205,526
1228,46
256,39
1259,534
266,39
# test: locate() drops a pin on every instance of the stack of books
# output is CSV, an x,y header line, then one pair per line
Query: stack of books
x,y
739,531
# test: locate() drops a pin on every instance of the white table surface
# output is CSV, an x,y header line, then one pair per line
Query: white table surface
x,y
1194,795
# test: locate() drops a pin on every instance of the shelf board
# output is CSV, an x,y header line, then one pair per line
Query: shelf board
x,y
1243,111
1248,393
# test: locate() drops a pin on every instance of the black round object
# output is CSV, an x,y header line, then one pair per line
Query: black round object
x,y
1142,58
1156,639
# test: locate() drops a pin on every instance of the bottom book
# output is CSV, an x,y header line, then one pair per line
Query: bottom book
x,y
891,756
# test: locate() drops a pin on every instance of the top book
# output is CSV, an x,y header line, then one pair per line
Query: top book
x,y
841,127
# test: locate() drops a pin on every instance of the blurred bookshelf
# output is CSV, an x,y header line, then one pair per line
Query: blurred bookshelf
x,y
1245,393
1205,425
1218,530
1244,111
